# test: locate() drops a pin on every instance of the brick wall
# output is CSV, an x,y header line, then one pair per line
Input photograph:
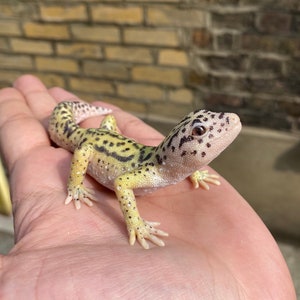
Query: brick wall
x,y
162,59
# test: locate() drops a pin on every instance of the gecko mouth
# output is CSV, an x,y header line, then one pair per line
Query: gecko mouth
x,y
232,130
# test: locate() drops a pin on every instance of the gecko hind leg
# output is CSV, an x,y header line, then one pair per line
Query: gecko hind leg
x,y
109,123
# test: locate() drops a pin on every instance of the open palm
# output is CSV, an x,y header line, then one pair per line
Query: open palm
x,y
218,248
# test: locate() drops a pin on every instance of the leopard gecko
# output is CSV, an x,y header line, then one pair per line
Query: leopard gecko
x,y
126,167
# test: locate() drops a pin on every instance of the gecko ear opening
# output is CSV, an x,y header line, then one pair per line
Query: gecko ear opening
x,y
199,130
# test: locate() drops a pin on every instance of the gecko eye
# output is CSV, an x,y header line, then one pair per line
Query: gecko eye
x,y
199,130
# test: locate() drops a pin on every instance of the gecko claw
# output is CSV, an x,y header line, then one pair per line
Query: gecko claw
x,y
80,194
143,231
202,178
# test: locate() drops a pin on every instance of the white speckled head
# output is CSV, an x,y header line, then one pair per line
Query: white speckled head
x,y
199,138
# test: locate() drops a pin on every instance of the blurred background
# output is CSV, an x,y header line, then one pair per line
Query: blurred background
x,y
161,59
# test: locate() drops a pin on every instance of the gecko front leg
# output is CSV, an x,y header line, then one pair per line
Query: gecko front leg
x,y
137,227
76,190
202,178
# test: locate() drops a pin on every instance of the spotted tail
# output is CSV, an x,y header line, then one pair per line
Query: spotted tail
x,y
63,125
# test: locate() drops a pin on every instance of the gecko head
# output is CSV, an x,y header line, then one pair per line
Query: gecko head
x,y
200,137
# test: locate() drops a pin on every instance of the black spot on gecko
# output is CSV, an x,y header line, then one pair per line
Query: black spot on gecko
x,y
83,141
195,121
171,139
147,157
208,145
114,154
185,139
221,115
158,159
203,154
120,144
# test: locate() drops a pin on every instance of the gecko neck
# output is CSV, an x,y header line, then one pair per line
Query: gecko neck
x,y
171,164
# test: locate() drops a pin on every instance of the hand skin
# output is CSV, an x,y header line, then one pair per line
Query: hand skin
x,y
218,247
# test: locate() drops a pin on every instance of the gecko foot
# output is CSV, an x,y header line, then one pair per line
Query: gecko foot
x,y
80,194
202,178
143,231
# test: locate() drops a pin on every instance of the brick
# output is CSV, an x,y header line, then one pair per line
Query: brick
x,y
228,84
20,10
173,58
166,1
274,22
224,100
22,62
63,65
293,79
167,76
128,54
9,28
106,70
226,62
266,66
184,96
151,37
170,16
106,34
259,42
90,85
202,38
290,108
140,91
128,105
118,15
170,109
46,31
265,85
240,21
296,23
227,41
60,13
51,80
8,76
257,103
30,46
4,44
81,50
197,79
289,45
278,4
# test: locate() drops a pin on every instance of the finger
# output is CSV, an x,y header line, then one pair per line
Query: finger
x,y
40,102
20,132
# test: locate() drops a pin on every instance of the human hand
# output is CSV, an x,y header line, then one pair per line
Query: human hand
x,y
218,247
